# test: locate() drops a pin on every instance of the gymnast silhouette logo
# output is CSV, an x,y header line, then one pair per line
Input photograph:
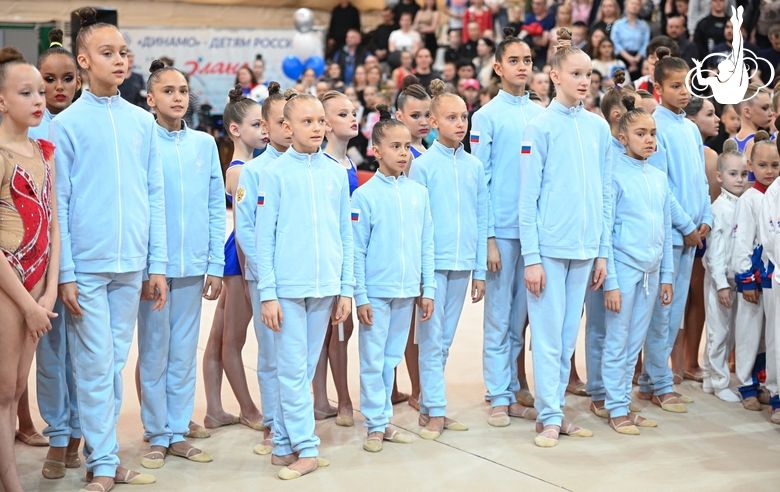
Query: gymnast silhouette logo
x,y
730,83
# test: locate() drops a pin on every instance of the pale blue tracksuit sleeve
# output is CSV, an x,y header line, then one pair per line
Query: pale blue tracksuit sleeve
x,y
361,233
531,169
418,175
481,125
64,155
347,265
608,207
680,220
611,282
428,265
216,264
480,270
667,261
245,211
265,237
158,242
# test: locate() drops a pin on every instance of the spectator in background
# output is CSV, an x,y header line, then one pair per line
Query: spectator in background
x,y
516,15
480,14
246,77
308,82
455,9
725,47
538,24
606,62
468,90
771,54
499,12
404,6
596,35
426,22
562,19
133,88
710,30
579,35
484,61
696,11
334,75
402,71
359,80
646,82
466,70
675,29
258,68
631,35
608,14
450,72
469,49
580,10
351,55
453,51
374,76
540,85
379,42
343,18
405,38
423,62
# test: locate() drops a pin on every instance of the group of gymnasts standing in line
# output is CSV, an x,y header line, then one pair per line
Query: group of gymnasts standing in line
x,y
554,208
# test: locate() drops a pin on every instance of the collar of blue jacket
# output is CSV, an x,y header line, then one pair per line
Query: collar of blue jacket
x,y
390,179
179,135
515,100
666,113
101,101
560,108
640,163
444,150
303,157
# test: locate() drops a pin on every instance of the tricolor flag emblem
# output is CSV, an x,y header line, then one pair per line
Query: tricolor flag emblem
x,y
474,138
525,148
261,199
355,215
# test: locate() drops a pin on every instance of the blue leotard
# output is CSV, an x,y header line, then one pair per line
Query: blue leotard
x,y
232,265
351,173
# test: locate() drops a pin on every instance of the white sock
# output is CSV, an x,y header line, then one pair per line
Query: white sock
x,y
706,385
728,395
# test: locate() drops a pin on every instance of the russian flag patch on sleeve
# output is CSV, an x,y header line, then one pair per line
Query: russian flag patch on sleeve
x,y
355,215
525,148
260,198
474,139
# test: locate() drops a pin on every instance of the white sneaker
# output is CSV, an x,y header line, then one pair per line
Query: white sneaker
x,y
706,385
728,395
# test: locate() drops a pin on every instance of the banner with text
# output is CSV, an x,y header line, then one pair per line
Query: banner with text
x,y
211,57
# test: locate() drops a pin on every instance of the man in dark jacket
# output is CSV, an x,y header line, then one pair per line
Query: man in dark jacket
x,y
343,18
675,29
379,43
350,56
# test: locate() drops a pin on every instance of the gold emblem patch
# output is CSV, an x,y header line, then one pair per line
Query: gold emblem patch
x,y
240,195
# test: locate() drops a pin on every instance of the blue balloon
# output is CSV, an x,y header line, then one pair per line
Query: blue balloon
x,y
317,63
292,67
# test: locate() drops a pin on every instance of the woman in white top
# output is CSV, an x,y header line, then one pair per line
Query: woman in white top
x,y
406,38
606,63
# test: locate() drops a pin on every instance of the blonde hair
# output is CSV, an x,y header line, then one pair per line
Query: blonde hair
x,y
438,88
293,98
564,49
730,149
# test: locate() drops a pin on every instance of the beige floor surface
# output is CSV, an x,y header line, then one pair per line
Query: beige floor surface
x,y
717,446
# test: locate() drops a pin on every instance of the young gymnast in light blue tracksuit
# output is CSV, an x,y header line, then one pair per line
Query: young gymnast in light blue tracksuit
x,y
393,231
304,264
680,156
565,216
495,142
111,208
195,221
246,209
456,185
640,258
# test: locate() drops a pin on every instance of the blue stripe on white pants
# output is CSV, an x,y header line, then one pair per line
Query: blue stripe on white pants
x,y
595,332
100,341
298,348
657,376
626,333
168,356
435,339
266,360
555,320
55,386
382,347
505,311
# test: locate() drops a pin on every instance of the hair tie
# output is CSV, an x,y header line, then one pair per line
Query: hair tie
x,y
618,86
565,43
55,43
89,20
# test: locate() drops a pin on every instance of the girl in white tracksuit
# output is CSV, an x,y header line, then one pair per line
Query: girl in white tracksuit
x,y
640,261
195,221
565,217
750,268
304,264
393,231
719,286
456,186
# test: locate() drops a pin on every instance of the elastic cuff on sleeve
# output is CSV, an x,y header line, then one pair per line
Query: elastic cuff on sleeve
x,y
479,275
429,292
216,270
157,268
347,291
532,259
361,300
268,294
688,229
67,276
611,283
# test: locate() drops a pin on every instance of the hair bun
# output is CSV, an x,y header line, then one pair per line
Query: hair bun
x,y
156,65
437,87
509,32
274,88
619,77
236,94
662,52
55,37
10,54
760,136
409,80
730,145
289,94
629,102
384,112
564,34
88,16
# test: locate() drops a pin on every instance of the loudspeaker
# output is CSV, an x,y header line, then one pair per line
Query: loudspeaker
x,y
104,15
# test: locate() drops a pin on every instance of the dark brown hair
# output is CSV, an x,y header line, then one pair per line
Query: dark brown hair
x,y
56,48
89,24
410,89
509,39
274,95
632,114
236,110
156,69
614,96
251,74
9,56
385,123
667,64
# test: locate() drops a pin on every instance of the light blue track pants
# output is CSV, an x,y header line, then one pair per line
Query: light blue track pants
x,y
168,356
665,324
55,386
434,338
505,311
595,332
100,341
382,347
266,360
555,320
298,348
626,333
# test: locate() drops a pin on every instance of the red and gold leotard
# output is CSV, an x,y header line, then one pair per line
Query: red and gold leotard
x,y
25,212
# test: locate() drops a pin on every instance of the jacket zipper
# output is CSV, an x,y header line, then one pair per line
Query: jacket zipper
x,y
457,194
119,189
584,185
649,196
316,236
403,261
181,183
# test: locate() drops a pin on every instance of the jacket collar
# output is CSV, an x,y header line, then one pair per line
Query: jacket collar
x,y
441,149
514,100
101,101
662,111
561,109
389,179
617,145
271,151
304,158
174,135
728,195
639,163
